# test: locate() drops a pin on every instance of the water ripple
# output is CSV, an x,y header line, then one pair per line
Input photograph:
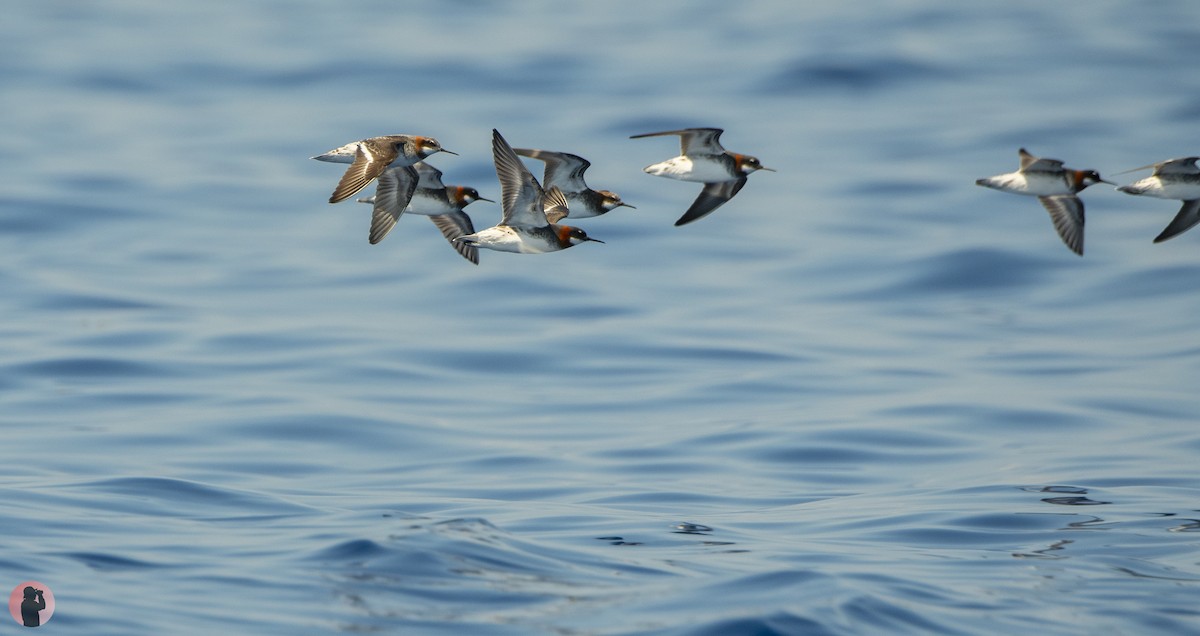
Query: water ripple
x,y
842,404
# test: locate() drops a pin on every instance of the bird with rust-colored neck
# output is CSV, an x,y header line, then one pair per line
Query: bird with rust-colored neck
x,y
703,159
529,212
1053,185
369,157
565,171
441,203
1172,179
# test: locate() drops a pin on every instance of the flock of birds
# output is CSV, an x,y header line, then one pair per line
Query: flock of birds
x,y
531,212
1057,188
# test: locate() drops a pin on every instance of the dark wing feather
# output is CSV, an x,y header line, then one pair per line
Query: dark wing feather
x,y
713,196
392,195
454,225
1066,211
1188,216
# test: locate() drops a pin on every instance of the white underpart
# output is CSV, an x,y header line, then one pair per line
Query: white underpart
x,y
578,207
341,154
502,238
684,169
1156,187
426,205
1038,184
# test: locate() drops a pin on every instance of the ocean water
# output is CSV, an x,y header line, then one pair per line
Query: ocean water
x,y
866,396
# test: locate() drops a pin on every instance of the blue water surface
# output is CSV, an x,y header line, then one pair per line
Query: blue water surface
x,y
863,397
